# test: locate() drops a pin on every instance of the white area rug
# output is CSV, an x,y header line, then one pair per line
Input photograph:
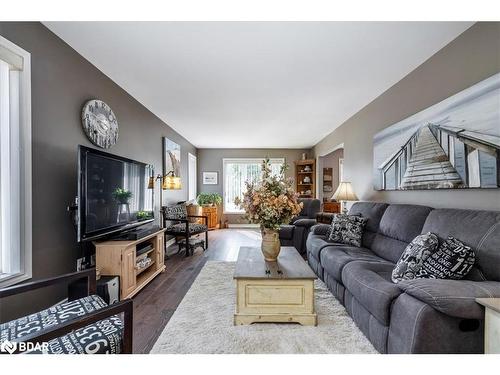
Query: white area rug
x,y
203,323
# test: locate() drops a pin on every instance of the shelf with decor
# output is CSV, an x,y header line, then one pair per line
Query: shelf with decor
x,y
305,178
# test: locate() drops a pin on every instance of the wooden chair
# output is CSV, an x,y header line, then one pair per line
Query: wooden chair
x,y
84,325
177,223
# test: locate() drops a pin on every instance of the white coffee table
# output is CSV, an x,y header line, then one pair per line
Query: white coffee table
x,y
279,292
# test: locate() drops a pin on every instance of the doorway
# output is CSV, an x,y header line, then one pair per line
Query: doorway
x,y
330,173
192,188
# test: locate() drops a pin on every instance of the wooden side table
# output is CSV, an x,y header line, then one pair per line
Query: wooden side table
x,y
491,324
211,213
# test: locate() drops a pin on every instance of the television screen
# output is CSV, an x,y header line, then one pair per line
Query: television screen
x,y
113,193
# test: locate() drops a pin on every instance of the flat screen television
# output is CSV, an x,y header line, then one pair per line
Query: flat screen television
x,y
113,194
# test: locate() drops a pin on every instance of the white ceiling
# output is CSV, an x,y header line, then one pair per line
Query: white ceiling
x,y
256,84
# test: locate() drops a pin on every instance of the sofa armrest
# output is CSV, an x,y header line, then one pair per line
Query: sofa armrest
x,y
452,297
307,223
320,229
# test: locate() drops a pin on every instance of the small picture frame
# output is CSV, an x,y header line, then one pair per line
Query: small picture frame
x,y
210,178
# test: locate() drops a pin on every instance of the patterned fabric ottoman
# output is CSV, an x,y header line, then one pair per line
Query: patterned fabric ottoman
x,y
102,337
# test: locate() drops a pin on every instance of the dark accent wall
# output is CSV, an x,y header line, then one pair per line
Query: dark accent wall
x,y
471,57
62,81
210,160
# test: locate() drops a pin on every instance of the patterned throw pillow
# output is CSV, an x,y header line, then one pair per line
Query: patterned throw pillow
x,y
414,255
339,222
453,260
177,211
347,229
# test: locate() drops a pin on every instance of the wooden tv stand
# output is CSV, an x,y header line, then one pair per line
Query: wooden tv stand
x,y
119,258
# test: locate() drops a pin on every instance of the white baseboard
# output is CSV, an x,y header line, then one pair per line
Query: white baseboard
x,y
242,226
170,242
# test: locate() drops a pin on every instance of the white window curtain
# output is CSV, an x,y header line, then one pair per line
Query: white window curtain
x,y
237,172
15,164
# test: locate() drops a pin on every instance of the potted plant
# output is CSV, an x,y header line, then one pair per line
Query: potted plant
x,y
270,202
209,199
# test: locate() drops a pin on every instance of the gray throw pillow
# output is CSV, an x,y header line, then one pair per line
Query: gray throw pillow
x,y
453,260
417,251
347,229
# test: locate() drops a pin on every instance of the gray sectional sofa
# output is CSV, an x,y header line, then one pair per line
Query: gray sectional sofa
x,y
414,316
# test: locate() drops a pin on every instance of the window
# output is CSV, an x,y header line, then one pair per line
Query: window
x,y
237,172
15,164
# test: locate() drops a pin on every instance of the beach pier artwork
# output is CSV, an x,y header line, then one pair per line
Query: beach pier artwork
x,y
454,144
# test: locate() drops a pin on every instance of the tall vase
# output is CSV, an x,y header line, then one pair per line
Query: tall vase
x,y
270,244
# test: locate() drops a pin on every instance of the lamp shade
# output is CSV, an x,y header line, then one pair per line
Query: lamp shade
x,y
171,183
345,193
151,183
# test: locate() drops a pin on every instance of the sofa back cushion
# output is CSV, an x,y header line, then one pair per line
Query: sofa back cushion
x,y
373,212
399,225
478,229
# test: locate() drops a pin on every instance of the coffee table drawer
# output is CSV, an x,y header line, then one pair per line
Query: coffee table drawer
x,y
274,295
275,301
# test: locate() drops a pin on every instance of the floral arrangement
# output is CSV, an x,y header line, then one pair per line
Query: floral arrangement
x,y
272,201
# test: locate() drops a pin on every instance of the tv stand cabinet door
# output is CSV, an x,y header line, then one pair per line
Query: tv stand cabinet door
x,y
128,272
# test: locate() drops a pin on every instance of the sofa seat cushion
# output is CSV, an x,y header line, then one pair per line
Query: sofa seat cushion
x,y
334,258
455,298
370,284
104,336
286,232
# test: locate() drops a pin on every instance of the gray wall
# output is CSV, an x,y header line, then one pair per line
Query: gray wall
x,y
470,58
210,160
62,81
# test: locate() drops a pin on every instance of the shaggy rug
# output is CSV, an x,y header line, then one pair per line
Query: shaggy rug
x,y
203,323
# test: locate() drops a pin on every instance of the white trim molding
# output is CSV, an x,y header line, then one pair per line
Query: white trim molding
x,y
17,125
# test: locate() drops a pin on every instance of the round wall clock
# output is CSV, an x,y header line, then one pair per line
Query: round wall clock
x,y
99,123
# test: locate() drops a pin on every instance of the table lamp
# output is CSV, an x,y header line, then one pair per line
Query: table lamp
x,y
344,193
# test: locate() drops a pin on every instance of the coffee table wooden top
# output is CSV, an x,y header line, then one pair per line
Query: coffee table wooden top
x,y
290,265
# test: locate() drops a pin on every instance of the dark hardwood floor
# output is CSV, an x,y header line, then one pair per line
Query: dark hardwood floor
x,y
156,303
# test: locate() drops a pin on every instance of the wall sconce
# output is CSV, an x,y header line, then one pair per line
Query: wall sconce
x,y
168,181
171,182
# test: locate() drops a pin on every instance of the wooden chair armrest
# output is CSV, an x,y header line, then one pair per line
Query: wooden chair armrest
x,y
58,330
26,287
176,219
